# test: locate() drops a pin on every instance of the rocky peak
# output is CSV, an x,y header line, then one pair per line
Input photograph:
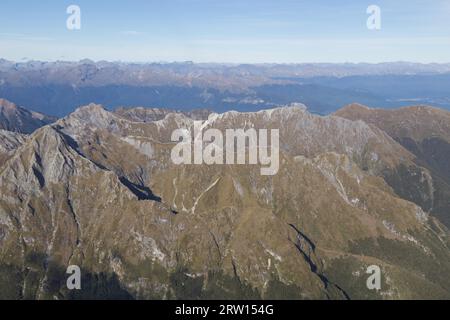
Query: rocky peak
x,y
91,115
18,119
7,105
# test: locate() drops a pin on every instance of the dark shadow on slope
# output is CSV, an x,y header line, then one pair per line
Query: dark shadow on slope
x,y
307,249
39,176
143,193
75,146
216,285
25,282
313,246
37,172
100,286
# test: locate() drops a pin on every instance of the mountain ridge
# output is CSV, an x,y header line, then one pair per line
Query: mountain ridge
x,y
141,227
15,118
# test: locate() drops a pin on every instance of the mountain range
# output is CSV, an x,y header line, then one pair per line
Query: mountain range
x,y
97,189
58,88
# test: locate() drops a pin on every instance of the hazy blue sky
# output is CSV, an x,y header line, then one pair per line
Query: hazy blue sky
x,y
227,31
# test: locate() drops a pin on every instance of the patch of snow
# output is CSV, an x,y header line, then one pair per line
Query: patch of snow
x,y
421,215
238,188
202,194
274,255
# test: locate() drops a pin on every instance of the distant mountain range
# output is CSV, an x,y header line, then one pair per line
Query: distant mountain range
x,y
57,88
98,189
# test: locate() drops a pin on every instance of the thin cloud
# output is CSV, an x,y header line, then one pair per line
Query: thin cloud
x,y
26,37
131,33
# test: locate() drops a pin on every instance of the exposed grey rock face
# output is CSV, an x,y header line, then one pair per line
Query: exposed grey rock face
x,y
9,142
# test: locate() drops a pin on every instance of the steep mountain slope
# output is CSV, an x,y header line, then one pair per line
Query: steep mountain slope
x,y
99,190
9,142
425,132
17,119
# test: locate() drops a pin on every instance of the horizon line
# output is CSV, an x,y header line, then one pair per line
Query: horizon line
x,y
26,60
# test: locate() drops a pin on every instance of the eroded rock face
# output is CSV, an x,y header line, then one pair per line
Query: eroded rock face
x,y
99,190
9,142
